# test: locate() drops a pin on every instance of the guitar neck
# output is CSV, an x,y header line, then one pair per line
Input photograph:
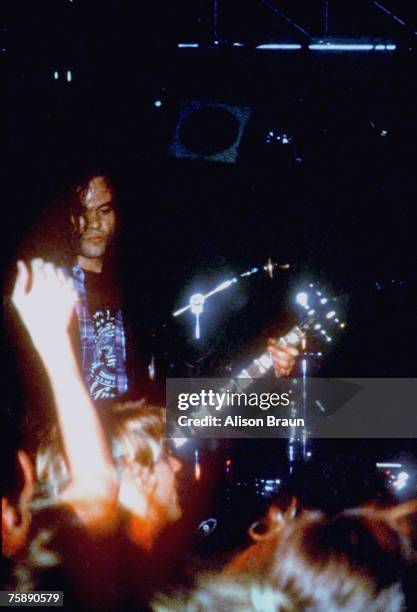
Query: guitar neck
x,y
262,364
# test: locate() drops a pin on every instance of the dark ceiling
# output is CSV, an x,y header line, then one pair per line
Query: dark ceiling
x,y
337,201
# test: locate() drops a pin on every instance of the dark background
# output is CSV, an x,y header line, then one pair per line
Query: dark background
x,y
337,202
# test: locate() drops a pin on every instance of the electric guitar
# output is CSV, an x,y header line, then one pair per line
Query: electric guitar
x,y
319,315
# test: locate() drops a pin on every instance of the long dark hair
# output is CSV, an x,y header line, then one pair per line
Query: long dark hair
x,y
73,198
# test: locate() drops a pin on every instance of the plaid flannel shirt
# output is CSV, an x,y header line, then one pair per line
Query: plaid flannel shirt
x,y
87,335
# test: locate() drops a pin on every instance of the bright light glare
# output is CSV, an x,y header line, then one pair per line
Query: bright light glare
x,y
403,476
196,303
285,46
334,46
302,299
331,314
401,481
292,338
178,442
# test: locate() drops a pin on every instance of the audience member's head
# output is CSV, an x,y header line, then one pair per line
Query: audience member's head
x,y
354,561
258,558
52,473
227,594
147,469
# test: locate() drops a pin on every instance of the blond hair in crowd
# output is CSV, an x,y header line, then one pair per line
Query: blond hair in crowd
x,y
227,594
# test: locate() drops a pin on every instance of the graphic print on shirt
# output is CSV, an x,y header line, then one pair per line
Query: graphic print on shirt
x,y
103,367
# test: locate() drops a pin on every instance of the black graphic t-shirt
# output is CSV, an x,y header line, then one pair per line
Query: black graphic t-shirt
x,y
104,306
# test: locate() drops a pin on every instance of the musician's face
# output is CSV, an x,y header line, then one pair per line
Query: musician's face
x,y
96,223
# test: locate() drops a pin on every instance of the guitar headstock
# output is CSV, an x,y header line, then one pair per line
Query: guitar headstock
x,y
319,312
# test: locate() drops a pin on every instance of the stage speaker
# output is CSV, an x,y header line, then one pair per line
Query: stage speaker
x,y
209,130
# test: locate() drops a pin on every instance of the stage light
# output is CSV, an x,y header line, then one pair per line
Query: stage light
x,y
178,442
196,303
151,368
304,367
330,314
69,76
188,45
279,46
206,527
302,299
56,75
197,465
401,481
249,272
403,476
343,46
278,138
158,103
328,46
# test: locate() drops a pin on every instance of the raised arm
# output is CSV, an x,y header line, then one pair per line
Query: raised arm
x,y
45,300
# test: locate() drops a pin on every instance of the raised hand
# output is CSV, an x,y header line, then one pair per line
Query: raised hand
x,y
45,300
